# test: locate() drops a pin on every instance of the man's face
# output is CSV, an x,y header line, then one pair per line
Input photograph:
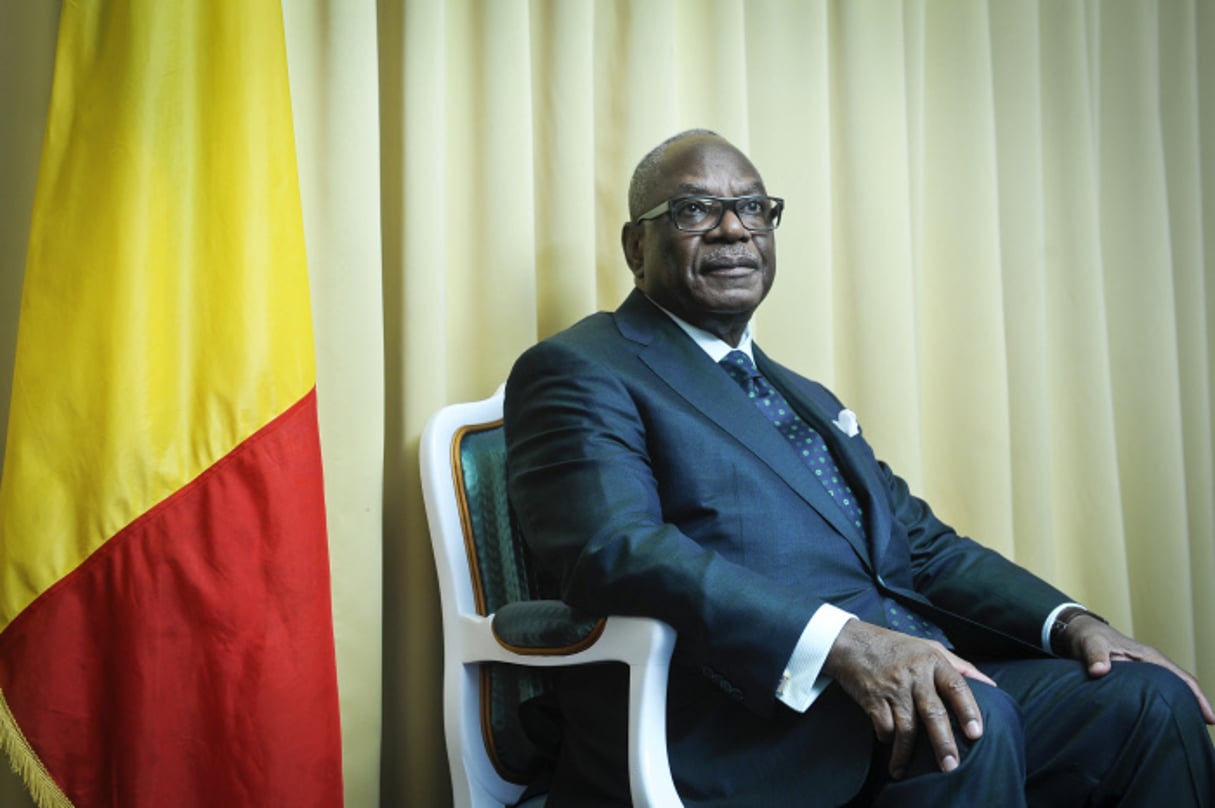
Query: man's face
x,y
714,280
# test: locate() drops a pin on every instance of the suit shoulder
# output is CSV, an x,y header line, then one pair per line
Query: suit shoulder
x,y
595,335
591,328
586,362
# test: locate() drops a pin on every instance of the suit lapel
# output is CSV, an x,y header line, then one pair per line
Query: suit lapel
x,y
692,374
848,452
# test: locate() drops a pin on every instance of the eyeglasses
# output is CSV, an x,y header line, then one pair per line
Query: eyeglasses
x,y
700,214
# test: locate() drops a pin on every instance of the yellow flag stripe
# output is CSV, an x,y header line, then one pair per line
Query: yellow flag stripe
x,y
147,349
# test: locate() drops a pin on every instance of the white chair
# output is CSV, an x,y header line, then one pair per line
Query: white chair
x,y
492,614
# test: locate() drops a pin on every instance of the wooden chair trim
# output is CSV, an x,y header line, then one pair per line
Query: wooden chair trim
x,y
470,544
564,650
474,571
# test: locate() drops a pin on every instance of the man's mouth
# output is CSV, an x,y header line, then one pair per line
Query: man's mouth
x,y
732,264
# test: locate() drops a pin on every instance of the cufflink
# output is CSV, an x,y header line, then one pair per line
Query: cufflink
x,y
785,679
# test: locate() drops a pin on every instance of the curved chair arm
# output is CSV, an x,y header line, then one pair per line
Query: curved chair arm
x,y
545,627
644,644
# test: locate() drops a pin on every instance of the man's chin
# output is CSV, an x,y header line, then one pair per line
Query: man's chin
x,y
741,299
730,313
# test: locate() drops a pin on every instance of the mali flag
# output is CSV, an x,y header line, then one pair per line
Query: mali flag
x,y
166,635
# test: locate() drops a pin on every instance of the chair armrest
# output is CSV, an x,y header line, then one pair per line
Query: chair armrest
x,y
644,644
545,627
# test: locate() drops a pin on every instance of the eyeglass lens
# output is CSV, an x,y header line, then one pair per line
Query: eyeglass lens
x,y
704,213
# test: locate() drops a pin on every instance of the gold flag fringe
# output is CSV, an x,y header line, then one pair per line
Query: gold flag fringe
x,y
25,762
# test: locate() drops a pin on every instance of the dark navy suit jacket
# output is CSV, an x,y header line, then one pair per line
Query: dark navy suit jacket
x,y
649,484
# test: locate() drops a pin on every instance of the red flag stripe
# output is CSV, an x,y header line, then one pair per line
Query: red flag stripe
x,y
212,602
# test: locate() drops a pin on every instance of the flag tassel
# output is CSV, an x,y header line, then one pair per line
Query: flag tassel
x,y
25,762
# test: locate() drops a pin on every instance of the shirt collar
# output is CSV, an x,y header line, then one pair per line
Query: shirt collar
x,y
714,346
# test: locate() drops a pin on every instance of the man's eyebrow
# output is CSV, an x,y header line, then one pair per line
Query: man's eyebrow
x,y
692,189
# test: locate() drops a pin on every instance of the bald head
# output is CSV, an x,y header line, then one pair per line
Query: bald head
x,y
648,173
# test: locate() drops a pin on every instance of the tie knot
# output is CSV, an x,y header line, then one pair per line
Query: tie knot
x,y
740,367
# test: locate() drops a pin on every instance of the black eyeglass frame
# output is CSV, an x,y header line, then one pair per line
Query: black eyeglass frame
x,y
727,203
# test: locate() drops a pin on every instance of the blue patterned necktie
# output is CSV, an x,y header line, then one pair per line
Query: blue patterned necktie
x,y
814,452
808,444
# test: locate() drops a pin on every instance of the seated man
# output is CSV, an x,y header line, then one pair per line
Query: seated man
x,y
837,643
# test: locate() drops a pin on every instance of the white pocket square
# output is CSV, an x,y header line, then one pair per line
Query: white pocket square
x,y
846,421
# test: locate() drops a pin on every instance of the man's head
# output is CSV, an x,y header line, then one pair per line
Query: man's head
x,y
713,278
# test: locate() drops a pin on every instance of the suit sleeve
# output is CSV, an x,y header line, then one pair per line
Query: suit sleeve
x,y
582,484
968,579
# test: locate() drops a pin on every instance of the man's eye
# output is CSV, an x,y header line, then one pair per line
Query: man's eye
x,y
751,207
693,208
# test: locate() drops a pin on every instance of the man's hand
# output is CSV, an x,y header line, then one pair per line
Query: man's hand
x,y
1098,645
905,684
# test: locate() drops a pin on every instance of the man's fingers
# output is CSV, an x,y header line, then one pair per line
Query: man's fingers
x,y
1098,665
1204,704
963,704
908,687
904,740
1208,713
1100,646
946,693
960,701
883,721
935,717
967,668
1094,651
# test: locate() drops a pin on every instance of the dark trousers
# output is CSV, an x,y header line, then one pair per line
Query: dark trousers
x,y
1053,736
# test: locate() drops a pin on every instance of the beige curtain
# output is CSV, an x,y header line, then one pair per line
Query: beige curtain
x,y
996,250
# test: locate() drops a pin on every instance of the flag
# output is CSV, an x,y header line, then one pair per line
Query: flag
x,y
166,631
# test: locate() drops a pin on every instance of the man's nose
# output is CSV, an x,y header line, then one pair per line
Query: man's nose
x,y
730,228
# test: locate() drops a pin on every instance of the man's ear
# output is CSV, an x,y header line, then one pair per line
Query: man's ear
x,y
632,236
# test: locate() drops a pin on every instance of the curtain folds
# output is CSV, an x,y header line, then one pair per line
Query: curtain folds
x,y
996,250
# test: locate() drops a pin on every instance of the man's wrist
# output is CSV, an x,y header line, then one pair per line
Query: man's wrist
x,y
803,680
1059,626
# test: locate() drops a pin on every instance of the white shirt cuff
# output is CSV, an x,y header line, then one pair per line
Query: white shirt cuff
x,y
802,683
1050,621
